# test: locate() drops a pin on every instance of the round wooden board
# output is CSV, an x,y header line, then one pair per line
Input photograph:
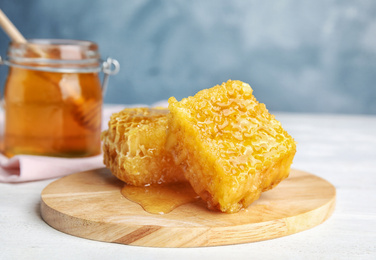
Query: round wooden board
x,y
89,205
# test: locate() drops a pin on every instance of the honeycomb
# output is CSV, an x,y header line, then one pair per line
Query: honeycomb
x,y
229,146
134,147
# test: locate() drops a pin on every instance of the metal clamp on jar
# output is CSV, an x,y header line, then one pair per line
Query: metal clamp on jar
x,y
53,98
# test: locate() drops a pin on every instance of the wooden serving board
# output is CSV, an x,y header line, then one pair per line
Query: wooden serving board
x,y
89,205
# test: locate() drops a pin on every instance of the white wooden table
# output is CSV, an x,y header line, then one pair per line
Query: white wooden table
x,y
338,148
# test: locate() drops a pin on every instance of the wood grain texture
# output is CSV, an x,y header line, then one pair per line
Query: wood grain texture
x,y
89,205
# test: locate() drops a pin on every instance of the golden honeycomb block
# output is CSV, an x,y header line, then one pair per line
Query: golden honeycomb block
x,y
134,147
230,147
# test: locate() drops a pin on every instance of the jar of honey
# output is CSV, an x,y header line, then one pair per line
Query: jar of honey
x,y
53,98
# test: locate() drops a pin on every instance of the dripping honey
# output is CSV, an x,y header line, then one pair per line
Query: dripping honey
x,y
160,198
41,114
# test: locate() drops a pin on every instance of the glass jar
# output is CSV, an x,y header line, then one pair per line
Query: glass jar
x,y
53,98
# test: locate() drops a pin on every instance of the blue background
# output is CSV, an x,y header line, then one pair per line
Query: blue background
x,y
299,56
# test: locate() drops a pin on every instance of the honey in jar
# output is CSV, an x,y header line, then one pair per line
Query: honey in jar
x,y
53,99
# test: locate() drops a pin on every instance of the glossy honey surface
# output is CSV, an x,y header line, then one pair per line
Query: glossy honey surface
x,y
160,198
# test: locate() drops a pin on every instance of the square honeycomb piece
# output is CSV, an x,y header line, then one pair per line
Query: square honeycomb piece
x,y
134,147
230,147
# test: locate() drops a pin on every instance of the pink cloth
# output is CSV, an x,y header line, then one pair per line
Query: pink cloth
x,y
22,168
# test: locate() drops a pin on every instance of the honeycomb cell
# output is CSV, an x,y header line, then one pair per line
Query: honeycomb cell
x,y
134,147
229,146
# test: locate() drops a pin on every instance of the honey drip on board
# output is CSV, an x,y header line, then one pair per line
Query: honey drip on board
x,y
161,198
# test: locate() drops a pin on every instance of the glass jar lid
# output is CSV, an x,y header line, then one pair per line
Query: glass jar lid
x,y
55,55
